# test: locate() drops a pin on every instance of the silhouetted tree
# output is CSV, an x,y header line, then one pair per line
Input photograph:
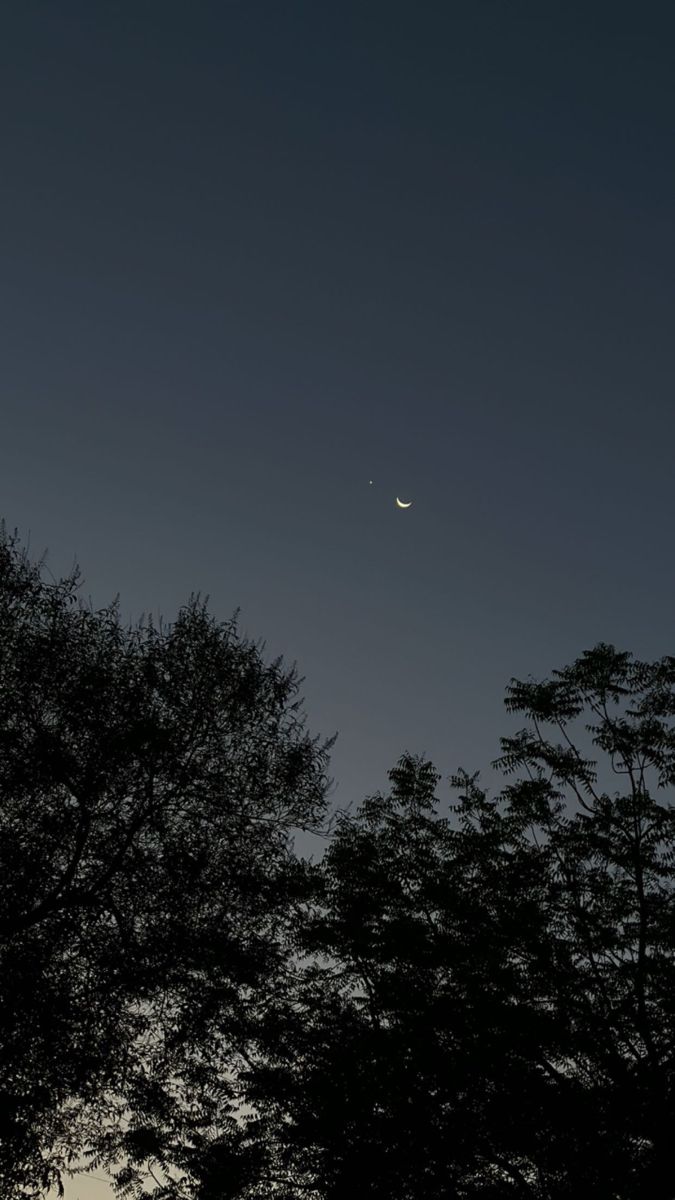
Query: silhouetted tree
x,y
486,1007
150,780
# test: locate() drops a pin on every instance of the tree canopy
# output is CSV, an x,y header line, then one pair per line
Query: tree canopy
x,y
470,1000
487,1003
150,781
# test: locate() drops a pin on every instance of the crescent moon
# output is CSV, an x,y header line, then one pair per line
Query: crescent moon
x,y
402,504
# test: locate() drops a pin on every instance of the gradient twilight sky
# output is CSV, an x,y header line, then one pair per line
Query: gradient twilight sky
x,y
257,253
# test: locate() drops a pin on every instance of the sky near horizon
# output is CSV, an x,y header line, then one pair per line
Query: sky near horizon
x,y
257,254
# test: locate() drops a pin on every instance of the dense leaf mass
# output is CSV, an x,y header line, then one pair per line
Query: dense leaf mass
x,y
150,779
475,1003
487,1002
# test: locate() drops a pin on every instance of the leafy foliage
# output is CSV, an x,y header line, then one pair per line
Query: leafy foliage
x,y
150,780
486,1002
478,1004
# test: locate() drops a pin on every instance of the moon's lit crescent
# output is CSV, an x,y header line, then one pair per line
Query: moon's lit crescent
x,y
402,504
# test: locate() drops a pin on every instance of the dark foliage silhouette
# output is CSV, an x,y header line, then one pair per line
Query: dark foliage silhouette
x,y
150,779
486,1003
477,1005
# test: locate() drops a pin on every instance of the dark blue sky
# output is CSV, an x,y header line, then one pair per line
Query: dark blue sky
x,y
256,254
